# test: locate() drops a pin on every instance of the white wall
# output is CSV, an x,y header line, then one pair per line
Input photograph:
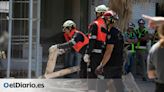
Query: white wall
x,y
4,6
139,9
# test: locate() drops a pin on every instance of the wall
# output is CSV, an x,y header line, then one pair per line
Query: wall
x,y
51,17
76,12
55,12
139,9
92,5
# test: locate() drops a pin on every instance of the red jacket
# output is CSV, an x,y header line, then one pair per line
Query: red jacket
x,y
77,47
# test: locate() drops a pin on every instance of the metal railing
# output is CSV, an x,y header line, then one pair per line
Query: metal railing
x,y
26,36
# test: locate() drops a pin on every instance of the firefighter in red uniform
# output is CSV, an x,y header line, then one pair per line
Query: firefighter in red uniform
x,y
76,41
97,28
97,39
97,45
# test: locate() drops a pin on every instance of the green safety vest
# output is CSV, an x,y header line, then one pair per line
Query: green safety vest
x,y
140,34
131,36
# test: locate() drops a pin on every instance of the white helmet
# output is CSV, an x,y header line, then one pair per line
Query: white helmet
x,y
69,23
101,8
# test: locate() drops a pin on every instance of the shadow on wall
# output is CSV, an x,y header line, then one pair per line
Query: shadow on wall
x,y
56,39
47,42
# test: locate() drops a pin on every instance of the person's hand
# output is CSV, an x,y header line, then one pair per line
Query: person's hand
x,y
99,70
61,51
143,39
86,58
153,22
155,19
129,41
134,41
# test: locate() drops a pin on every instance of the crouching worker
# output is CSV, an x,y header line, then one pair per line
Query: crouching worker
x,y
75,40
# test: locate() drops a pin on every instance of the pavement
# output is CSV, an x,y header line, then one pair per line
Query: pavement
x,y
146,86
74,85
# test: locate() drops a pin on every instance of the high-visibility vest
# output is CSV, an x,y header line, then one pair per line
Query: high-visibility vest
x,y
131,35
140,34
101,36
77,47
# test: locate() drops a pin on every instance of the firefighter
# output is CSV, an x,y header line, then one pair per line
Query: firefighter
x,y
97,33
141,51
97,38
96,57
130,40
112,61
75,40
99,11
95,49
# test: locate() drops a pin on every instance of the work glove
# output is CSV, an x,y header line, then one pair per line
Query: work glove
x,y
61,51
86,58
99,70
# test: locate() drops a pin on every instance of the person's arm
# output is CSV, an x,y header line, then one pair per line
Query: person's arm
x,y
105,59
109,49
107,55
135,39
92,42
110,46
127,38
145,36
75,39
150,67
92,38
66,45
153,21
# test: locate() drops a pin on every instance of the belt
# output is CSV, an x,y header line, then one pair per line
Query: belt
x,y
97,50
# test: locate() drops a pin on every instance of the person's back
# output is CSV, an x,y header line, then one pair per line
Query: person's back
x,y
118,46
155,58
156,61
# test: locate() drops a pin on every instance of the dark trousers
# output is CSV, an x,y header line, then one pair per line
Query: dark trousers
x,y
159,87
72,58
141,62
113,72
95,62
94,83
83,69
112,76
